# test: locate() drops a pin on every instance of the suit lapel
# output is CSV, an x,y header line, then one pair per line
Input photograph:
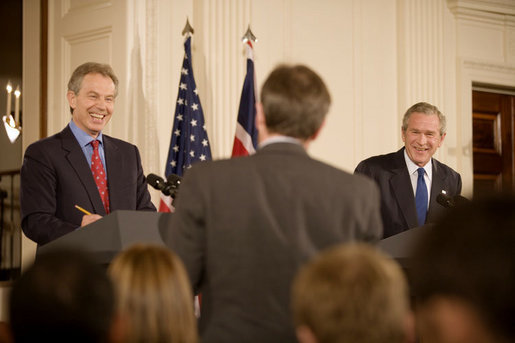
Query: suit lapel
x,y
114,167
401,187
437,185
79,164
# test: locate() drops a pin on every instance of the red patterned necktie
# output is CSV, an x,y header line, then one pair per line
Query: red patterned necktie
x,y
99,175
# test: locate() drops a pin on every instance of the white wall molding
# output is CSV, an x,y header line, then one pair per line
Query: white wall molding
x,y
467,7
503,72
79,6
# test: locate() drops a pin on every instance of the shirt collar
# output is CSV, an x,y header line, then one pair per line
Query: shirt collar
x,y
82,137
412,167
278,139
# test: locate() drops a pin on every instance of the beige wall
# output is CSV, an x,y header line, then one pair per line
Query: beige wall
x,y
377,56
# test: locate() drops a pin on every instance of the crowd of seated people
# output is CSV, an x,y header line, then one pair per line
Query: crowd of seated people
x,y
462,281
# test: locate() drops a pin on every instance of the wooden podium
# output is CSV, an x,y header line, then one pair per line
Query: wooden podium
x,y
401,246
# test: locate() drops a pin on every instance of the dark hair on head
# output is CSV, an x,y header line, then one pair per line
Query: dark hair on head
x,y
62,297
295,101
470,255
75,82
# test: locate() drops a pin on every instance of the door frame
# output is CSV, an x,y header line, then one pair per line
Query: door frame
x,y
471,73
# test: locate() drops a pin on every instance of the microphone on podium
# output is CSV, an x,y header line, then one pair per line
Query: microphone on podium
x,y
169,187
449,202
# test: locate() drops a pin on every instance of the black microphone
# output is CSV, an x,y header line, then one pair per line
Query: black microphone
x,y
169,187
445,200
450,202
460,200
174,181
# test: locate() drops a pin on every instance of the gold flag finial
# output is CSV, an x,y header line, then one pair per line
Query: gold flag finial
x,y
187,28
248,36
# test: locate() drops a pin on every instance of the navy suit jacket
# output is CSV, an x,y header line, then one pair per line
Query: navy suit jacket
x,y
244,226
55,176
398,209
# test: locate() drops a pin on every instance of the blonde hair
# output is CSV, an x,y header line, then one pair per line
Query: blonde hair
x,y
154,295
352,293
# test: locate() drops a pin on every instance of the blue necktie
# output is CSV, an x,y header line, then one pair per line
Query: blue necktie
x,y
421,197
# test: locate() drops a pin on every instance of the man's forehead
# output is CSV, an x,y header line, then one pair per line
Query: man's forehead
x,y
424,117
88,85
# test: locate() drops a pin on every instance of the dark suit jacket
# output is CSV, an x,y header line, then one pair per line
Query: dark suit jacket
x,y
55,176
398,209
244,226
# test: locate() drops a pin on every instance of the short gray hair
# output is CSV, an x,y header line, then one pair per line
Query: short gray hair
x,y
428,109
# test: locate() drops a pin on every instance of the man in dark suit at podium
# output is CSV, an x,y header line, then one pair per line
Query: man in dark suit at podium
x,y
81,166
244,226
410,179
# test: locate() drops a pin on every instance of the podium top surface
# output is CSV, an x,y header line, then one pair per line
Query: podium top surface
x,y
106,237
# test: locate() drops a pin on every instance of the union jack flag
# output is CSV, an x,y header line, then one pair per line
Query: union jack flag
x,y
189,142
245,139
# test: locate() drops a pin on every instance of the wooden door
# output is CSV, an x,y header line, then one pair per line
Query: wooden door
x,y
493,145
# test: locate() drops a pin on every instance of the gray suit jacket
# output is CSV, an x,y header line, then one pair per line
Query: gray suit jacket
x,y
55,176
244,226
397,199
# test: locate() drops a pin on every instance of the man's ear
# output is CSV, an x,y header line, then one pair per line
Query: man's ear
x,y
72,99
317,132
261,123
305,335
441,139
260,116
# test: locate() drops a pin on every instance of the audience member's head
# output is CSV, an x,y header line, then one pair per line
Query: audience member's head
x,y
351,293
154,295
295,101
464,277
62,297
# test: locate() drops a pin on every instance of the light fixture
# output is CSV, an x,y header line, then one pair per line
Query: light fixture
x,y
11,129
12,125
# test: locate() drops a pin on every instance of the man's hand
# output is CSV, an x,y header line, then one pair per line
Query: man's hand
x,y
89,218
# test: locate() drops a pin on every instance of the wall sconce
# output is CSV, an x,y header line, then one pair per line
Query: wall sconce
x,y
12,125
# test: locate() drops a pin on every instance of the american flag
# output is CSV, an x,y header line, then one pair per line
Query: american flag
x,y
189,142
245,139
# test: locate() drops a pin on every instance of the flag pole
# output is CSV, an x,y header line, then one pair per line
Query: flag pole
x,y
246,135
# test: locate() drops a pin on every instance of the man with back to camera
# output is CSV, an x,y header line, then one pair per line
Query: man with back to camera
x,y
410,179
244,226
81,166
